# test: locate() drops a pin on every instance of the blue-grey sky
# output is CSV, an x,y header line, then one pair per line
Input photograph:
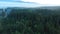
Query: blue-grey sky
x,y
39,1
53,2
8,0
28,3
17,3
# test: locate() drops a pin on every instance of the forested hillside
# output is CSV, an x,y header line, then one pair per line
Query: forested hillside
x,y
31,21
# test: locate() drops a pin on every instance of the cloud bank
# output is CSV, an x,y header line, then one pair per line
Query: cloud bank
x,y
45,2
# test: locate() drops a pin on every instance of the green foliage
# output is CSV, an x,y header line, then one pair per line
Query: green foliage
x,y
38,21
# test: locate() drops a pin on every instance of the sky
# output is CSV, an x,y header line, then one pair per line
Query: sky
x,y
52,2
45,2
32,3
16,3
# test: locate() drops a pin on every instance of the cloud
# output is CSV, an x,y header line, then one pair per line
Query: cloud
x,y
17,4
48,2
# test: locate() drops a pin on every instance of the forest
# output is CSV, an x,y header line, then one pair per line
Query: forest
x,y
31,21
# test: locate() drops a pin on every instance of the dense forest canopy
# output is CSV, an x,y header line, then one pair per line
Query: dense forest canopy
x,y
31,21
